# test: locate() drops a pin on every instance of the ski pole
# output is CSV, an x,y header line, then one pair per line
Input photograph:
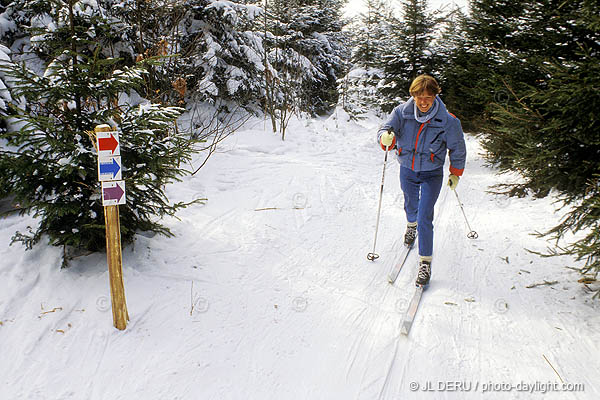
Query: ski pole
x,y
472,234
374,256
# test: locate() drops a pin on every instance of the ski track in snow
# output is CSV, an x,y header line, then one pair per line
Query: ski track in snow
x,y
265,292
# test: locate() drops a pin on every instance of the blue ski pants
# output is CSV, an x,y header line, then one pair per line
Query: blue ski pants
x,y
421,191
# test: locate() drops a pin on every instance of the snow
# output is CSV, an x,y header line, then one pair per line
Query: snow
x,y
4,54
233,83
4,59
254,11
6,25
228,9
251,54
265,292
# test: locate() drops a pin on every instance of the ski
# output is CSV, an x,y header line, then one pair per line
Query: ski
x,y
409,317
396,270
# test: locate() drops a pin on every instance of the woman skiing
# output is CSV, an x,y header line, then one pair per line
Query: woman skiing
x,y
422,131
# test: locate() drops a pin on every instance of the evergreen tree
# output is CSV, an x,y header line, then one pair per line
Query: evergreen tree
x,y
49,161
324,44
359,92
371,35
550,38
464,68
307,48
410,51
567,147
546,126
220,53
5,96
287,71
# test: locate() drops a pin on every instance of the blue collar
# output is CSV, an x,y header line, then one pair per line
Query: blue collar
x,y
420,117
438,115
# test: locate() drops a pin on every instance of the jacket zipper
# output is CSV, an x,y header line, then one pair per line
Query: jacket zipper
x,y
417,144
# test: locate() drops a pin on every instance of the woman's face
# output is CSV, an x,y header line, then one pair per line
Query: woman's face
x,y
424,101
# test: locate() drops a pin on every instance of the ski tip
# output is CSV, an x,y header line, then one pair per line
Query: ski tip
x,y
390,280
404,330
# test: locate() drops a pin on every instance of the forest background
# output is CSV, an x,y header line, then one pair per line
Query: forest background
x,y
177,76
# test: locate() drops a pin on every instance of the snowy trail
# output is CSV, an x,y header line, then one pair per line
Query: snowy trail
x,y
266,292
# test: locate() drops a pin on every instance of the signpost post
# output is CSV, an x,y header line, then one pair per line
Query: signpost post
x,y
113,194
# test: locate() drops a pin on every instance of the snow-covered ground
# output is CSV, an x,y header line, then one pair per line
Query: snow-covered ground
x,y
266,292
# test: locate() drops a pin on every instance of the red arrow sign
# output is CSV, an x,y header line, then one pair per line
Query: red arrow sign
x,y
109,143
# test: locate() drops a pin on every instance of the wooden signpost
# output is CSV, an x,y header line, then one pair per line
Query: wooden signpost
x,y
113,194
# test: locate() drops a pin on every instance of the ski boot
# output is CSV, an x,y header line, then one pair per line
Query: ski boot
x,y
411,234
424,271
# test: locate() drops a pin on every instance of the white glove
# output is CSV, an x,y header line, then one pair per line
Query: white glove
x,y
387,139
453,181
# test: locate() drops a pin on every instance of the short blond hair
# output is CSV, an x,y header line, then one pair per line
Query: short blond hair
x,y
424,83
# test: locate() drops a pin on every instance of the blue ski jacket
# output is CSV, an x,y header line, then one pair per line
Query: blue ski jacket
x,y
423,146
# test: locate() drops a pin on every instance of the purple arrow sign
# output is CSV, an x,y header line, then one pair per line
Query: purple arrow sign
x,y
113,193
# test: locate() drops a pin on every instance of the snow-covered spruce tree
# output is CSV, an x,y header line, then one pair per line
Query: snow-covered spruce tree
x,y
48,160
569,158
208,48
12,15
501,48
410,51
8,31
291,72
325,45
550,43
220,55
359,91
305,39
5,97
508,43
370,34
547,126
461,69
286,71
